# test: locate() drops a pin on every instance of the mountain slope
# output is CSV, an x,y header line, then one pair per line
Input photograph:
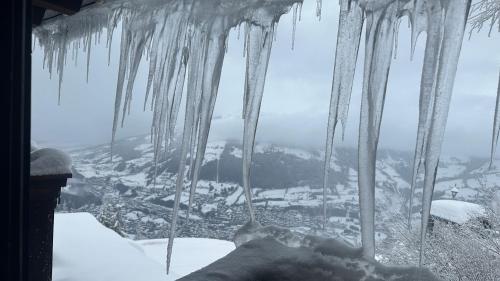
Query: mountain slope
x,y
286,186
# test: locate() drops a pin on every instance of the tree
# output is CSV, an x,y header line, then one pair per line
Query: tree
x,y
109,216
469,252
485,12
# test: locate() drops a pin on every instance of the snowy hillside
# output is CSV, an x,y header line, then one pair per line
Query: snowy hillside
x,y
287,188
85,250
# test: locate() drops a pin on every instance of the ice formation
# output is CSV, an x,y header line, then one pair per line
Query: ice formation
x,y
444,23
348,39
496,125
186,40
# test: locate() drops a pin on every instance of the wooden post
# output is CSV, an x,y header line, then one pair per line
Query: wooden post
x,y
43,199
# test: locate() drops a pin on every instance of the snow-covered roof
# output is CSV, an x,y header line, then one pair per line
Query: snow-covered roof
x,y
456,211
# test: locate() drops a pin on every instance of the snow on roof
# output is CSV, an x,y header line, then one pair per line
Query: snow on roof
x,y
85,250
456,211
49,161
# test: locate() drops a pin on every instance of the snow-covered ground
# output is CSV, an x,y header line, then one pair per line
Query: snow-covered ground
x,y
85,250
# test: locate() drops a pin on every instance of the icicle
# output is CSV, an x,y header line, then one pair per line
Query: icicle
x,y
427,87
418,19
258,54
319,7
300,10
179,86
61,61
496,125
211,79
294,28
396,38
378,54
122,68
195,76
152,64
89,47
245,50
348,39
138,45
455,18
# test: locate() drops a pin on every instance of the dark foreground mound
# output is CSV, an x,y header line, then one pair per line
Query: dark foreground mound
x,y
268,260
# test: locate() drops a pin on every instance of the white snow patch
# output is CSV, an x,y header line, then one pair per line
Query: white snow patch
x,y
49,161
207,208
85,250
214,151
189,255
134,180
456,211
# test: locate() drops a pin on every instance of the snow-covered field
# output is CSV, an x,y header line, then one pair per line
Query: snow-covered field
x,y
85,250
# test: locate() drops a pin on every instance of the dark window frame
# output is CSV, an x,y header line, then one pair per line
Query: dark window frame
x,y
15,119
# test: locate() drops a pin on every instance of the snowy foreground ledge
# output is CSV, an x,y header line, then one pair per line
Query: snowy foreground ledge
x,y
85,250
268,260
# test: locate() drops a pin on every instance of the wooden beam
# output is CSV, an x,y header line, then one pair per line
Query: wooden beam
x,y
67,7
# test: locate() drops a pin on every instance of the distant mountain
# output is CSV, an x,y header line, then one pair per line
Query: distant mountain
x,y
286,186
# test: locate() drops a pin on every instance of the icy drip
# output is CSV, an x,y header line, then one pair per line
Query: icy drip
x,y
124,53
319,7
454,21
211,78
496,125
166,78
294,24
348,39
378,54
258,53
435,34
418,20
195,66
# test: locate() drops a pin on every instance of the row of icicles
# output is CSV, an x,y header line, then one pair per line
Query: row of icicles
x,y
186,50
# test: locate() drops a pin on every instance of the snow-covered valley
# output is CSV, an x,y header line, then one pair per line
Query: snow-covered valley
x,y
287,189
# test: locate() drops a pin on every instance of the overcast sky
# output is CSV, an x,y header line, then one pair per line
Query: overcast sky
x,y
296,98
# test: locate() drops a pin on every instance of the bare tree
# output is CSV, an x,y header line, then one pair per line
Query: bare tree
x,y
469,252
485,12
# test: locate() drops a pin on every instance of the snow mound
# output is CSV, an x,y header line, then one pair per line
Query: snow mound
x,y
269,260
48,161
85,250
456,211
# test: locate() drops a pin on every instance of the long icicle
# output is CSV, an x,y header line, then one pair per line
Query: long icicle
x,y
378,55
455,19
122,68
196,69
348,39
496,125
258,54
211,79
427,90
